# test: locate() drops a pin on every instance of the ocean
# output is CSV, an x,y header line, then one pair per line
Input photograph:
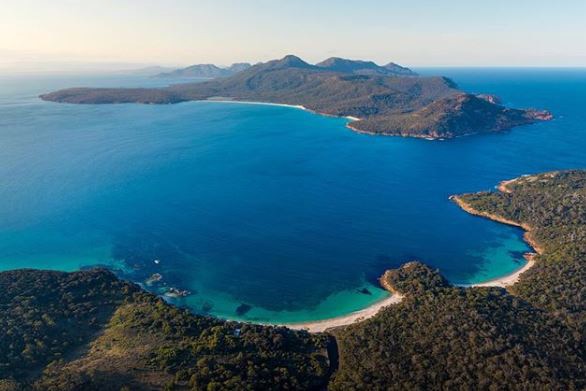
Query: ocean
x,y
264,213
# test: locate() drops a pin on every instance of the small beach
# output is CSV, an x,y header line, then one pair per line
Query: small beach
x,y
357,316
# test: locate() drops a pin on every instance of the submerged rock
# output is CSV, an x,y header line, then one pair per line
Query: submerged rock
x,y
206,307
364,291
243,309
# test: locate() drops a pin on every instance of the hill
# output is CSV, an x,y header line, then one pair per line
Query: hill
x,y
208,71
529,338
336,64
429,107
88,330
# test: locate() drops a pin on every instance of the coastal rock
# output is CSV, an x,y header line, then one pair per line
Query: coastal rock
x,y
153,278
174,292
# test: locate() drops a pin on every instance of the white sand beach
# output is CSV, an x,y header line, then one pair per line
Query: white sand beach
x,y
245,102
507,280
322,325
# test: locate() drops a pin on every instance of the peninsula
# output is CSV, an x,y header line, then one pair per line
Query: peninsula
x,y
383,100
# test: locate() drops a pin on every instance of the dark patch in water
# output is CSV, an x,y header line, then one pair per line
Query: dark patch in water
x,y
517,255
243,309
364,291
206,307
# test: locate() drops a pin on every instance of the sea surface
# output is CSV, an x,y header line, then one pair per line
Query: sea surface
x,y
264,213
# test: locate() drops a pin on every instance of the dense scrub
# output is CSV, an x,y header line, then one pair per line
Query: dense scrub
x,y
143,343
443,337
554,206
46,315
182,351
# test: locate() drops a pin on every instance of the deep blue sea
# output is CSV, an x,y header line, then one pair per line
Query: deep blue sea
x,y
277,208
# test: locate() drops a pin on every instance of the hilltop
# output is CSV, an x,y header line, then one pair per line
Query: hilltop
x,y
383,103
208,71
358,67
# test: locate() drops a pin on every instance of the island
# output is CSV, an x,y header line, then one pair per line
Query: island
x,y
382,100
90,330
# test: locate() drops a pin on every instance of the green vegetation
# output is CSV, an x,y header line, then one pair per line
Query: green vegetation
x,y
47,315
143,343
553,205
443,337
91,331
389,100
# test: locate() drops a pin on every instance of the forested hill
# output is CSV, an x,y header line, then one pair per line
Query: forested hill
x,y
388,100
90,331
532,337
554,206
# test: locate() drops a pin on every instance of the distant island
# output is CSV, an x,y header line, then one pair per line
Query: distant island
x,y
383,100
89,330
207,71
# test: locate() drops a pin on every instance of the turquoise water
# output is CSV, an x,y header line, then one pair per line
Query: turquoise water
x,y
287,212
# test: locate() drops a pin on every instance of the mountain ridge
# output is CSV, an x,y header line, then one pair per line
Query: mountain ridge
x,y
206,71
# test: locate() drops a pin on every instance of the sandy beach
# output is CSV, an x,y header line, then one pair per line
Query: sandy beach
x,y
300,107
245,102
322,325
508,280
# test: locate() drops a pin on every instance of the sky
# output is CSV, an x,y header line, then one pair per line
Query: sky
x,y
126,33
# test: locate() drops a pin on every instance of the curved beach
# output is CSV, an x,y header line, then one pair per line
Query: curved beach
x,y
357,316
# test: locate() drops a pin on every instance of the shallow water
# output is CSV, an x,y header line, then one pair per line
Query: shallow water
x,y
277,208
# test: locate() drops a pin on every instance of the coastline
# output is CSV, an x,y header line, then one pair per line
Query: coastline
x,y
508,280
319,326
395,298
527,236
512,278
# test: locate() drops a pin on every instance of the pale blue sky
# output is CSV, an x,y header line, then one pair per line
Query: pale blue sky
x,y
411,32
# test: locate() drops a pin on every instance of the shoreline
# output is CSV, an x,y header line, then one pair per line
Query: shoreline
x,y
319,326
350,118
299,107
395,297
509,279
527,236
512,278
